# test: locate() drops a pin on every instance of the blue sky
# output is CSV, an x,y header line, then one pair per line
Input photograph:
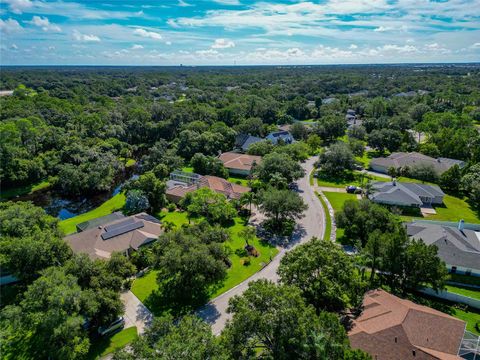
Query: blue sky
x,y
242,32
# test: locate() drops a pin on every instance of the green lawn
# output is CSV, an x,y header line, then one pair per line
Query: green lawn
x,y
328,218
143,287
6,194
453,209
470,316
238,180
345,179
187,169
475,294
117,202
367,156
107,345
336,200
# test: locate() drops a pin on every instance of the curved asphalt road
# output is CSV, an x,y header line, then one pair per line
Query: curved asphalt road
x,y
312,224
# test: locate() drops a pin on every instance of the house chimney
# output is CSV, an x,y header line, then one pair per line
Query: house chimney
x,y
461,225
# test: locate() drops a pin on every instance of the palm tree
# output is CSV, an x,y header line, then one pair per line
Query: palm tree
x,y
248,198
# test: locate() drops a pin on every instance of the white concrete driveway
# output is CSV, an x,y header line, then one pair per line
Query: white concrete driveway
x,y
312,224
136,314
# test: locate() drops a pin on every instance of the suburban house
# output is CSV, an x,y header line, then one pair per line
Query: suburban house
x,y
100,221
277,136
243,141
239,164
393,328
352,119
458,246
123,235
401,160
182,183
406,194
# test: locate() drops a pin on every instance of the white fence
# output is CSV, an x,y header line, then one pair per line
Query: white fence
x,y
446,295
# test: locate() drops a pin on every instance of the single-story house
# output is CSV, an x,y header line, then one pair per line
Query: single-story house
x,y
277,136
99,221
406,194
243,141
402,160
122,235
458,246
393,328
177,189
239,164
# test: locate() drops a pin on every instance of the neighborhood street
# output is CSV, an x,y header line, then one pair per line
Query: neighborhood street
x,y
312,224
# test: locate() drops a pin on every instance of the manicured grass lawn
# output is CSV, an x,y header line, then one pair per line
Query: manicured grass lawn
x,y
108,345
187,169
470,316
367,156
337,200
23,190
176,217
453,209
117,202
475,294
238,180
143,287
328,218
348,178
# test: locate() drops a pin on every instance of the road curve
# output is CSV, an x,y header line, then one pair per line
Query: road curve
x,y
312,224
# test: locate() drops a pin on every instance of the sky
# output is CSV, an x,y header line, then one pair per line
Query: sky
x,y
238,32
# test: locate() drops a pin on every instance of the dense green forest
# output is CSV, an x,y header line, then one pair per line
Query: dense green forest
x,y
77,127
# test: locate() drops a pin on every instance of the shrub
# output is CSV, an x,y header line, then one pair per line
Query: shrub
x,y
245,261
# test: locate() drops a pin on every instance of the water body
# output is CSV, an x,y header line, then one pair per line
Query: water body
x,y
63,207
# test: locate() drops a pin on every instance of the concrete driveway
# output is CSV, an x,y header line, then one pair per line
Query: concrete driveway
x,y
136,314
312,224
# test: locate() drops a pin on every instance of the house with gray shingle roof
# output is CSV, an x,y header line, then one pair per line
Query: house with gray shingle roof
x,y
458,246
243,141
406,194
401,160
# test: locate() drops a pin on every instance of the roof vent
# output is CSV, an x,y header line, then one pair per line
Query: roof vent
x,y
461,225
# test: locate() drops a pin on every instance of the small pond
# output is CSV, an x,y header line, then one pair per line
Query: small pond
x,y
63,207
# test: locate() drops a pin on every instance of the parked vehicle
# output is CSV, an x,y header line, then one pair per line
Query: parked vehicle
x,y
112,327
352,189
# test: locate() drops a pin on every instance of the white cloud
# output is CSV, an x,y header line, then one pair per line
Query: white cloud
x,y
475,45
182,3
209,52
147,34
168,42
383,29
18,6
227,2
10,26
78,36
14,47
136,47
44,23
353,47
223,44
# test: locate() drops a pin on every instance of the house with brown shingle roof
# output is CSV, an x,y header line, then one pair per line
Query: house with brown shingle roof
x,y
180,185
239,164
123,235
393,328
